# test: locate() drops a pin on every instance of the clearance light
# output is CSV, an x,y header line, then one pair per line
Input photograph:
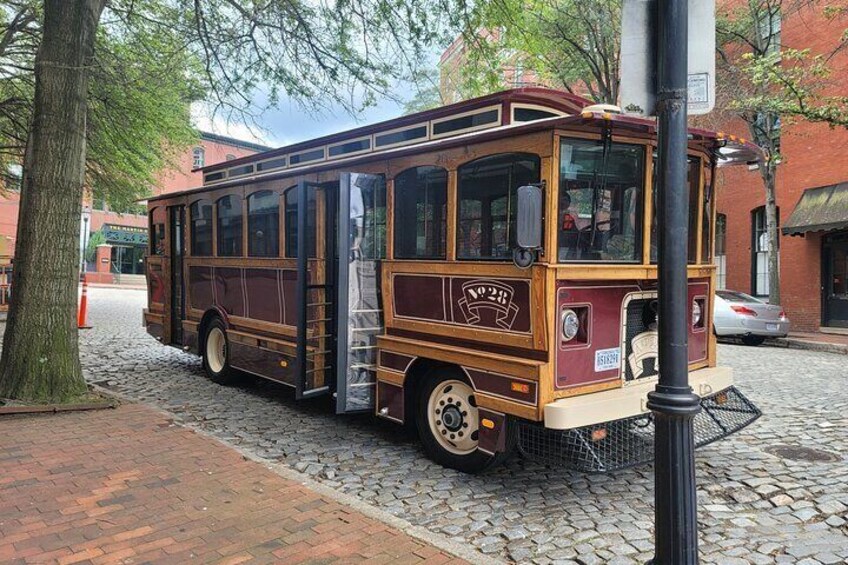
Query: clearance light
x,y
744,310
520,387
721,398
607,116
487,423
599,435
570,324
720,135
587,115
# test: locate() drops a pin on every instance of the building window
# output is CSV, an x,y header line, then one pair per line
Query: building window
x,y
421,201
721,251
290,197
768,27
201,229
759,252
229,226
263,224
199,156
767,129
488,190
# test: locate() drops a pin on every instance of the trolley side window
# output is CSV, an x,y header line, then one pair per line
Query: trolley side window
x,y
229,226
263,224
421,201
290,197
487,194
201,228
157,231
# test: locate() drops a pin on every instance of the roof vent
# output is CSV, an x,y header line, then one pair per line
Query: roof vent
x,y
603,108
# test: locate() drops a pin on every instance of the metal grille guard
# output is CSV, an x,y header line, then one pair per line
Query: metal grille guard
x,y
619,444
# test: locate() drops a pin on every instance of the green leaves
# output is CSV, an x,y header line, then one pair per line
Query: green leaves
x,y
569,44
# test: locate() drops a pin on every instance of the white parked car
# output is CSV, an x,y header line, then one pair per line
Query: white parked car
x,y
738,314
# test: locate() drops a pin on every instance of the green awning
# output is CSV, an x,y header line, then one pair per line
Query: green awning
x,y
819,209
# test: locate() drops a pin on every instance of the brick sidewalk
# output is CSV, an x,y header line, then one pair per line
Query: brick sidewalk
x,y
128,486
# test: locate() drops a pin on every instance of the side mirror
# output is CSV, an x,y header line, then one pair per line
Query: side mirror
x,y
528,232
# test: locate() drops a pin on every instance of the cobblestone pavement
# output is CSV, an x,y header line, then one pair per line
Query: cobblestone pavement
x,y
128,486
758,503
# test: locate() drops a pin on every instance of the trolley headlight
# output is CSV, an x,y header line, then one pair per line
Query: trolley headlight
x,y
696,314
570,324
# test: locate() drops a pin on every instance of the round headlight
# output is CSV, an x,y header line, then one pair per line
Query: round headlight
x,y
570,324
696,313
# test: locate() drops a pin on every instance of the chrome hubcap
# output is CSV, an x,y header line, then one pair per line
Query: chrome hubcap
x,y
453,417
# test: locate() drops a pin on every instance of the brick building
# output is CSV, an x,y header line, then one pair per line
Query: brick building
x,y
812,199
126,230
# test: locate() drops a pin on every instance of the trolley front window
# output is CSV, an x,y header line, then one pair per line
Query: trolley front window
x,y
600,201
487,203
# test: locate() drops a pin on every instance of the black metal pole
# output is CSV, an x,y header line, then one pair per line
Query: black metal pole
x,y
673,403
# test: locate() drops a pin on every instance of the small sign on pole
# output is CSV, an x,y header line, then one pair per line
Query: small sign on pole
x,y
639,55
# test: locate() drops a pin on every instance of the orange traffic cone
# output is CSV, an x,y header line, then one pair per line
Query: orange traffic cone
x,y
83,309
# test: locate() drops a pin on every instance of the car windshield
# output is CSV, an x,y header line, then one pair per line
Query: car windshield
x,y
733,296
600,203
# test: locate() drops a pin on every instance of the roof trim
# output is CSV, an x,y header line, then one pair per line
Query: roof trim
x,y
557,99
226,140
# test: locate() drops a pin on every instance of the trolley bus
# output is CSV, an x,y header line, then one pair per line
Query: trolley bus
x,y
484,271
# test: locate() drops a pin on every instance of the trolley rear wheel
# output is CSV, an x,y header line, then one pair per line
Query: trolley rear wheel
x,y
216,361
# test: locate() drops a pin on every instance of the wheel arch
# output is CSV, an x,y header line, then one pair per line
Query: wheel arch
x,y
211,314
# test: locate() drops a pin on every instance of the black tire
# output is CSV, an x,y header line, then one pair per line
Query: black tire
x,y
753,340
472,461
217,365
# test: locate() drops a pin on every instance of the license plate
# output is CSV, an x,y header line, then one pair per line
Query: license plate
x,y
607,359
771,327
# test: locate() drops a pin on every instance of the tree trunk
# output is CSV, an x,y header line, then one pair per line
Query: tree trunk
x,y
770,182
40,359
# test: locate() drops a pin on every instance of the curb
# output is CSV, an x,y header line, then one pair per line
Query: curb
x,y
439,541
793,343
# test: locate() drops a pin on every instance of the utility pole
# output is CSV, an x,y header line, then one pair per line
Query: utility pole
x,y
673,403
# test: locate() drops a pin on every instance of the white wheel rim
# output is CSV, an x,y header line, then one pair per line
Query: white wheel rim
x,y
452,414
216,350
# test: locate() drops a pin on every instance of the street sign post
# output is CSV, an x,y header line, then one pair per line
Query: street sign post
x,y
661,48
639,57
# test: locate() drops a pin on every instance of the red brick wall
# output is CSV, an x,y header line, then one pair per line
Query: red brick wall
x,y
813,156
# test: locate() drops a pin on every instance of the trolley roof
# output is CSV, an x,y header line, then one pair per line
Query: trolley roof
x,y
498,115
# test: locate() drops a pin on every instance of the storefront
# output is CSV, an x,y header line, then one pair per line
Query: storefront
x,y
824,211
129,245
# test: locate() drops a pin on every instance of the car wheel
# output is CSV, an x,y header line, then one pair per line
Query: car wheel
x,y
216,361
753,340
448,422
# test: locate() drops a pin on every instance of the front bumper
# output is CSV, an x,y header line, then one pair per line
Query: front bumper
x,y
629,441
629,400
